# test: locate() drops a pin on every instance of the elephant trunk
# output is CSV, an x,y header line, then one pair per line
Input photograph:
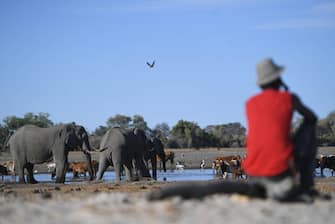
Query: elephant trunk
x,y
86,145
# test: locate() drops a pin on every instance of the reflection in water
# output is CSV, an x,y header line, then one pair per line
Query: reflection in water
x,y
170,175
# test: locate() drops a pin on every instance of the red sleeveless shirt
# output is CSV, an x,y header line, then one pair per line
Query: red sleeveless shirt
x,y
269,145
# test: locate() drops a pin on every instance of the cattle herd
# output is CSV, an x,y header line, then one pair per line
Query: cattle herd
x,y
222,166
326,162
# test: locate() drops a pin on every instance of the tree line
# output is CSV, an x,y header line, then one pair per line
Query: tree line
x,y
185,134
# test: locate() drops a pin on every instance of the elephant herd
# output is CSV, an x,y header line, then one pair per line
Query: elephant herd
x,y
123,149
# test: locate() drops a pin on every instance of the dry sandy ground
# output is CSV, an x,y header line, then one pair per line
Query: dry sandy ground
x,y
125,202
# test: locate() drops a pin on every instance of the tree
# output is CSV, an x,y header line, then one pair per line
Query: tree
x,y
228,135
139,122
41,120
326,130
4,134
13,122
187,135
119,120
162,131
100,131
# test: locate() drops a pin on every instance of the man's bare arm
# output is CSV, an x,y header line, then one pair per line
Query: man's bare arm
x,y
308,114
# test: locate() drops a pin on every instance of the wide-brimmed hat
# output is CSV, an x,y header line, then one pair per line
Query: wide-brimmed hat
x,y
268,71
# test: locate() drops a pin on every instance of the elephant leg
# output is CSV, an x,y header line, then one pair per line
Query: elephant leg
x,y
53,173
117,168
144,171
89,166
61,161
103,164
154,167
135,169
20,170
164,166
138,169
128,168
145,168
66,166
117,161
30,175
60,172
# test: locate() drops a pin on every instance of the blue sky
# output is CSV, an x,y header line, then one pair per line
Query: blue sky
x,y
85,61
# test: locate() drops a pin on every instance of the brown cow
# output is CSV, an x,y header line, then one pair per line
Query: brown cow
x,y
7,168
169,155
80,168
10,167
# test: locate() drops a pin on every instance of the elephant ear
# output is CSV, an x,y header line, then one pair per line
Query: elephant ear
x,y
136,131
140,132
66,134
150,144
80,132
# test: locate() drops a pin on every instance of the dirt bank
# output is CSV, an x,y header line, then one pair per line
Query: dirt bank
x,y
126,203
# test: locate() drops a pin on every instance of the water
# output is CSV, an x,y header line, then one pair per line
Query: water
x,y
188,174
173,175
170,175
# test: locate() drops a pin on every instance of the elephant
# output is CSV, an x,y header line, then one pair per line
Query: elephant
x,y
157,150
31,145
120,148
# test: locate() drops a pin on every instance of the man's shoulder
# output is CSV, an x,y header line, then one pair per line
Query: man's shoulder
x,y
253,98
268,94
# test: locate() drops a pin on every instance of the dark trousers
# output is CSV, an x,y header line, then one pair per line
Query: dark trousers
x,y
304,153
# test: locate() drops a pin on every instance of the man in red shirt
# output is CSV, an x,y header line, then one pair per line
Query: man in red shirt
x,y
274,160
273,157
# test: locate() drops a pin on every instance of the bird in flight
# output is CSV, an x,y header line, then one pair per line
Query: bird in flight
x,y
152,64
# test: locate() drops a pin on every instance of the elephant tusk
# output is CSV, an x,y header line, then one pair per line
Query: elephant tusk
x,y
86,151
101,150
83,150
95,150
